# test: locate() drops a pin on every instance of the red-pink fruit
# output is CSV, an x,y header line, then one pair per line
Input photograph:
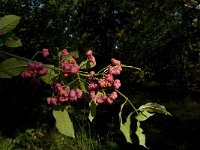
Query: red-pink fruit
x,y
92,59
63,99
117,84
75,69
92,73
45,52
79,93
42,71
26,74
113,95
71,60
52,100
92,95
109,77
115,62
72,95
93,86
89,52
102,83
64,52
109,100
39,65
31,66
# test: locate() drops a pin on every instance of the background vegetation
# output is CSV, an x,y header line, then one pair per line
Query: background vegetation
x,y
159,36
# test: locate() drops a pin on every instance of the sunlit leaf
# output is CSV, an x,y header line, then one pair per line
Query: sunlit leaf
x,y
125,127
75,54
8,23
11,42
87,64
92,113
144,115
63,122
51,75
12,67
154,107
141,136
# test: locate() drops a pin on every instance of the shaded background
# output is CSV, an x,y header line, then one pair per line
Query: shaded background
x,y
159,36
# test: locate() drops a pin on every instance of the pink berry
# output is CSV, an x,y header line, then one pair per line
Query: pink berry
x,y
102,83
109,77
92,73
39,65
117,84
113,95
109,101
92,94
79,93
31,66
75,69
72,95
45,52
52,100
93,86
63,99
115,62
71,60
92,59
64,52
89,53
43,71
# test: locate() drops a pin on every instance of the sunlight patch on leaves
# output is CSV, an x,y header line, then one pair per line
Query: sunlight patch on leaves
x,y
12,67
64,123
154,107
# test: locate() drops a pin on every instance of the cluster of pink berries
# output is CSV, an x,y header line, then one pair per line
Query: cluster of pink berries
x,y
116,68
106,82
69,66
90,56
34,69
64,94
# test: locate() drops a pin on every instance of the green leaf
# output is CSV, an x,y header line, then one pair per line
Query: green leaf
x,y
92,113
11,42
154,107
140,135
51,75
125,127
12,67
87,64
8,23
142,116
64,123
83,87
74,54
82,84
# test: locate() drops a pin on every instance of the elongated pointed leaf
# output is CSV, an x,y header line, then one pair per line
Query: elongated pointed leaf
x,y
11,42
74,54
82,84
140,135
93,104
64,123
12,67
8,23
154,107
125,127
142,116
87,64
92,113
51,75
